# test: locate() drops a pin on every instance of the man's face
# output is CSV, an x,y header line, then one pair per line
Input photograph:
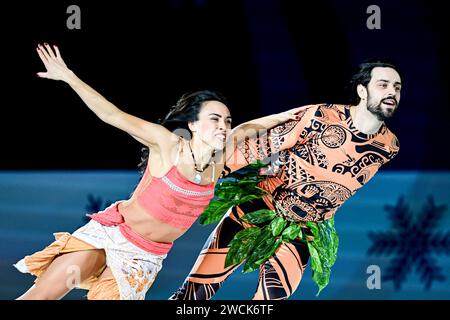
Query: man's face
x,y
383,92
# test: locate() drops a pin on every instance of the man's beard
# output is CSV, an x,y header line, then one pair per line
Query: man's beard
x,y
378,111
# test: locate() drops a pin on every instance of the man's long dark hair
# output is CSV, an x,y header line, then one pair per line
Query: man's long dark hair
x,y
363,75
184,111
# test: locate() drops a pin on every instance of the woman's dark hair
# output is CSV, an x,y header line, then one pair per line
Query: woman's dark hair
x,y
185,110
364,75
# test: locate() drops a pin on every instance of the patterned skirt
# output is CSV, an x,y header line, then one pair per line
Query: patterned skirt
x,y
133,268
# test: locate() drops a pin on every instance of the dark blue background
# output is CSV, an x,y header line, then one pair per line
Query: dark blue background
x,y
265,56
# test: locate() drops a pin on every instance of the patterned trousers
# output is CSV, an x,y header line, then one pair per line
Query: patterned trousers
x,y
279,276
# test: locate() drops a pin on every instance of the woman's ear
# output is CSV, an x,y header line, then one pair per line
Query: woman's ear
x,y
192,126
362,91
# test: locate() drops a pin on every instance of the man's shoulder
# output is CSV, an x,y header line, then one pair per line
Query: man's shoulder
x,y
390,139
331,111
330,107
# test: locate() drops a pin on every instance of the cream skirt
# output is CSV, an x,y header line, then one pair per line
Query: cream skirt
x,y
133,268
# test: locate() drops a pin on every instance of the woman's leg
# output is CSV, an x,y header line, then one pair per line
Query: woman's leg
x,y
64,273
280,276
105,288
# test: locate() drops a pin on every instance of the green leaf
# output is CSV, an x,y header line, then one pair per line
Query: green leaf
x,y
313,227
277,225
228,192
325,246
263,244
291,232
241,245
248,198
246,233
300,234
231,258
321,279
262,250
247,175
269,253
245,183
316,264
227,183
266,233
257,165
259,216
214,212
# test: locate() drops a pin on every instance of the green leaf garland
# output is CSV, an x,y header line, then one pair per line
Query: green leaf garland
x,y
257,244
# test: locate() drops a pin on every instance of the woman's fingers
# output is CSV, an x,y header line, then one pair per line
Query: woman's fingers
x,y
42,56
293,113
296,110
50,55
49,50
58,54
42,74
43,50
50,60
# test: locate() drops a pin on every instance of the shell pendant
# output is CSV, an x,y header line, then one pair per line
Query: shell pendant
x,y
198,178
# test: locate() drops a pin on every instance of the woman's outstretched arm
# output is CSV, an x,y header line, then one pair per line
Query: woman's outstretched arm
x,y
257,126
150,134
263,138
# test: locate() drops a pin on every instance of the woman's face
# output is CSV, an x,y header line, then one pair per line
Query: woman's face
x,y
213,124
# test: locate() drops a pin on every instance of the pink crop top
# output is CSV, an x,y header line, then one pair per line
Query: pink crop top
x,y
172,199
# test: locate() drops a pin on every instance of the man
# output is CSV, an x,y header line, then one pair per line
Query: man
x,y
324,157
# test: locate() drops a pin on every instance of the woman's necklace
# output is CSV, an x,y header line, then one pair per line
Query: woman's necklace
x,y
198,177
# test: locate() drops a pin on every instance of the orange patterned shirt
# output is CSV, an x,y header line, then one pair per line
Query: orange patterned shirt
x,y
318,161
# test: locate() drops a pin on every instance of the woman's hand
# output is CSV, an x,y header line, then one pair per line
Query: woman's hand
x,y
291,114
55,65
150,134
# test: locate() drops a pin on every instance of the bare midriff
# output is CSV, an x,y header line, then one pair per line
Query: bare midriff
x,y
145,224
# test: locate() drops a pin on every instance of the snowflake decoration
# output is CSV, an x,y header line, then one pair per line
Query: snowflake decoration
x,y
412,242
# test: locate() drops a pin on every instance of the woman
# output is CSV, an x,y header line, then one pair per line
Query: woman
x,y
119,252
